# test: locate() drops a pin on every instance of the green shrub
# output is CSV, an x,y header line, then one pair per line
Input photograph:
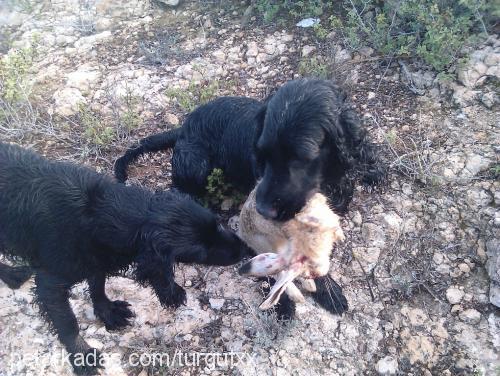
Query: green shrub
x,y
129,117
95,132
433,30
219,190
313,67
270,9
14,69
195,94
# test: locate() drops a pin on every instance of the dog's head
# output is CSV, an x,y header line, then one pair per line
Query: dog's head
x,y
300,141
184,231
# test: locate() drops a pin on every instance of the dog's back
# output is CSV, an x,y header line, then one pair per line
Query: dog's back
x,y
46,205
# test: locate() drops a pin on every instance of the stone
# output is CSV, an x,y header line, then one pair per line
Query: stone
x,y
170,3
373,235
308,50
253,49
171,119
489,99
83,79
216,303
454,295
387,366
356,218
219,55
470,316
493,269
67,101
227,204
476,163
368,257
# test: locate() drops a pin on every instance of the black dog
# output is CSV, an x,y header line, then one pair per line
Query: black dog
x,y
71,224
303,138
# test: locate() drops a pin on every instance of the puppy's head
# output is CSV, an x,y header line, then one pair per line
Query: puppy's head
x,y
297,145
188,232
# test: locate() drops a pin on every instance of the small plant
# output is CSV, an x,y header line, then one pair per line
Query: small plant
x,y
195,94
495,171
129,118
270,9
218,190
14,69
96,133
433,30
320,31
313,67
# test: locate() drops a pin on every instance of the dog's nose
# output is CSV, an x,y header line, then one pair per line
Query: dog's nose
x,y
267,211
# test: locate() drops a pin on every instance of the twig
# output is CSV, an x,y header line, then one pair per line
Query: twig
x,y
367,280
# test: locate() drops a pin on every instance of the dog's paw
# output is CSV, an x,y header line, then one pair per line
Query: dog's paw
x,y
115,315
174,299
86,362
329,295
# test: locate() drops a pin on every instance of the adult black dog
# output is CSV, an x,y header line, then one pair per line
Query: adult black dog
x,y
302,139
71,224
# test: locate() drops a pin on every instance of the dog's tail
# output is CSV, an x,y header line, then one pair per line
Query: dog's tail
x,y
14,276
151,144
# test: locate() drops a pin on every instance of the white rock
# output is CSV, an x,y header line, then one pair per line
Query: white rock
x,y
216,303
387,366
308,22
67,101
307,50
171,3
454,295
470,316
253,49
373,235
476,163
84,78
219,55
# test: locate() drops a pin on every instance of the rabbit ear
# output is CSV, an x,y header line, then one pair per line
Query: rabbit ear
x,y
280,285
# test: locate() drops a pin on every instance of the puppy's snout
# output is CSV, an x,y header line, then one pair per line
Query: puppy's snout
x,y
267,211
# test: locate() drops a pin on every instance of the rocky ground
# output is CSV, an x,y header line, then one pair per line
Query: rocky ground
x,y
420,264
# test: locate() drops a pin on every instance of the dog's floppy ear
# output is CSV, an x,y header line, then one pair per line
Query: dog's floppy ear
x,y
259,120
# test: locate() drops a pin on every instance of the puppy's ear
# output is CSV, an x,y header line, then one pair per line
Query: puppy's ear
x,y
259,120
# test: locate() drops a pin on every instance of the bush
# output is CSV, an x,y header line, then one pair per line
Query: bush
x,y
219,190
432,30
195,95
14,69
95,132
270,9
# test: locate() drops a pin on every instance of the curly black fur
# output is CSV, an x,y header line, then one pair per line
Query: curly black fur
x,y
71,224
305,137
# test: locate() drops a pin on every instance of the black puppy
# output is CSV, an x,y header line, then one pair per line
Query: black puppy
x,y
303,138
71,224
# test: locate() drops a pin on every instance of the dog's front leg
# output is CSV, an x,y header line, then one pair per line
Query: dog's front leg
x,y
114,314
52,296
158,273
